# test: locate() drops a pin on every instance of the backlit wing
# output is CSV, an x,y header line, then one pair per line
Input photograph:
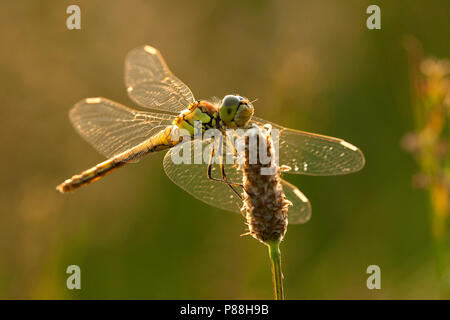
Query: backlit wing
x,y
112,128
193,179
300,211
313,154
151,84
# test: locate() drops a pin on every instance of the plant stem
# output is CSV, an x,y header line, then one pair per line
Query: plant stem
x,y
277,275
440,203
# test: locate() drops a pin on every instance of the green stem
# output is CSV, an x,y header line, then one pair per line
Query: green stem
x,y
277,275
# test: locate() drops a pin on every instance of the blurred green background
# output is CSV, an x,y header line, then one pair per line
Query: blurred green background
x,y
312,66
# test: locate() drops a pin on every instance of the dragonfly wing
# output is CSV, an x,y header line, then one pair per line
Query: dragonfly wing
x,y
151,84
300,211
314,154
193,177
112,128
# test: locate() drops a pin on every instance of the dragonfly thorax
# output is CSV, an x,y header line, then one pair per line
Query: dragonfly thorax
x,y
231,112
204,112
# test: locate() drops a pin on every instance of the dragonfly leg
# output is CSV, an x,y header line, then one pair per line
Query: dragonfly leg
x,y
222,167
235,154
223,175
230,184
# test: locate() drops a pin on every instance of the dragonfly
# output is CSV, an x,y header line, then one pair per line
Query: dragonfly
x,y
125,135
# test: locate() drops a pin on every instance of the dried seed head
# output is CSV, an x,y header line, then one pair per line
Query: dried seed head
x,y
435,68
265,205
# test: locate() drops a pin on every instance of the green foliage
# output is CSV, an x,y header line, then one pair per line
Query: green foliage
x,y
429,144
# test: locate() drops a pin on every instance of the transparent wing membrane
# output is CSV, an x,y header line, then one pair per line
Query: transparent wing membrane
x,y
300,211
313,154
193,179
112,128
151,84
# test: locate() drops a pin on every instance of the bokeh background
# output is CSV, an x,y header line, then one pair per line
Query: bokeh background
x,y
312,65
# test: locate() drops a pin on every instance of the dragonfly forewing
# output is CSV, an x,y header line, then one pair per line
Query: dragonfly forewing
x,y
151,84
314,154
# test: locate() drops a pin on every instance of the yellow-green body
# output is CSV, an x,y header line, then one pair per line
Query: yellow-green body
x,y
202,111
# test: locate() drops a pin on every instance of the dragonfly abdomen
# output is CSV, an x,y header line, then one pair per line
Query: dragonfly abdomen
x,y
93,174
160,141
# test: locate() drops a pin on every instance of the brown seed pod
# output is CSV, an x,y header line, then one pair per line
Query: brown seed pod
x,y
265,205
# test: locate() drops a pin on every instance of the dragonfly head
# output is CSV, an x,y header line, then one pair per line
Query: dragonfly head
x,y
235,111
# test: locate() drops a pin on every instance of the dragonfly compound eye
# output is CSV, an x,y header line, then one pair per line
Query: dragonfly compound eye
x,y
228,108
231,101
235,110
